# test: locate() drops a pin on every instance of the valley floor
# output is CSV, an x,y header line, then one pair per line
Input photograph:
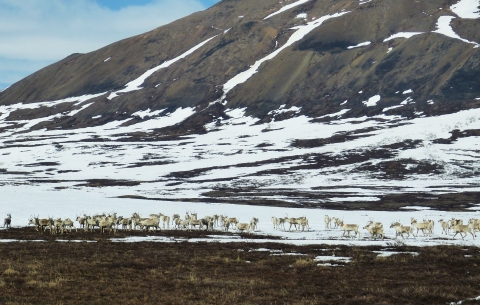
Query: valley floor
x,y
316,266
106,272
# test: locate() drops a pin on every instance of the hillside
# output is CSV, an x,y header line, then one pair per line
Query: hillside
x,y
340,104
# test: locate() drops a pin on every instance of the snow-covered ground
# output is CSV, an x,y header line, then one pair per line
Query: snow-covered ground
x,y
24,202
238,152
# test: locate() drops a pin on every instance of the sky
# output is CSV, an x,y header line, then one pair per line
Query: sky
x,y
37,33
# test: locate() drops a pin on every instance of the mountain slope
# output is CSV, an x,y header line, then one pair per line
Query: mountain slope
x,y
266,103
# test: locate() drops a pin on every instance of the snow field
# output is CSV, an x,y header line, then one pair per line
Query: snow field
x,y
28,201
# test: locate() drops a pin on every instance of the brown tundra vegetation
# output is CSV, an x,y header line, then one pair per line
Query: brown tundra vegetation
x,y
88,268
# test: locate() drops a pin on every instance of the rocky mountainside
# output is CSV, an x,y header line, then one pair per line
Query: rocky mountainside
x,y
251,99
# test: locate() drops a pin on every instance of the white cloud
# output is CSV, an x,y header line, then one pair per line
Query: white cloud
x,y
47,30
40,31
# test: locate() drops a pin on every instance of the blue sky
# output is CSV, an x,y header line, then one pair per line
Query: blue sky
x,y
118,4
36,33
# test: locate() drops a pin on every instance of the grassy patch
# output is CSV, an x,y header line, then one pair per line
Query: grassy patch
x,y
232,273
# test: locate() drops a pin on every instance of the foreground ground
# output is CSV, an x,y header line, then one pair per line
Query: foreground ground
x,y
92,269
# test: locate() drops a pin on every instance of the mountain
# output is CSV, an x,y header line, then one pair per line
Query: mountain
x,y
343,104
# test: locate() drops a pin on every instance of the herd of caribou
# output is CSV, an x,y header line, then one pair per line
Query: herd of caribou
x,y
375,229
112,223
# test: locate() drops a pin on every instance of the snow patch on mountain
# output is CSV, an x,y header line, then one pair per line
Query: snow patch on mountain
x,y
282,109
444,28
402,35
336,114
286,8
136,83
372,101
300,32
362,44
392,107
147,113
468,9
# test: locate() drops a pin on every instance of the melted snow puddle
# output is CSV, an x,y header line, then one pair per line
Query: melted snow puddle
x,y
467,300
265,250
42,241
20,241
326,260
75,241
386,253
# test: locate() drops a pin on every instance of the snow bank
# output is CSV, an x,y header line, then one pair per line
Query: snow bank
x,y
467,9
444,28
372,101
362,44
286,8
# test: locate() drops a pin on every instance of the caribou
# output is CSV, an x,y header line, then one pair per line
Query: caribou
x,y
31,221
445,226
81,221
459,229
347,228
375,229
68,225
328,221
277,222
337,222
182,224
400,229
106,224
475,224
174,219
425,226
165,220
194,222
232,220
43,224
8,221
243,227
90,224
253,223
302,222
57,225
